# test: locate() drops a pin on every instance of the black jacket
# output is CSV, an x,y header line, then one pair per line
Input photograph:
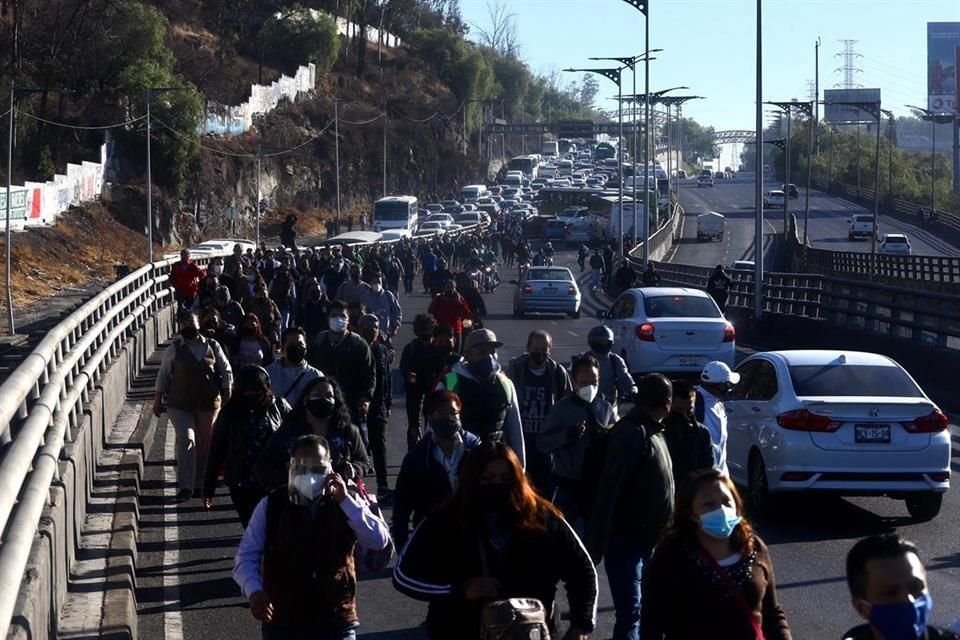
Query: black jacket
x,y
415,359
690,446
239,436
422,485
441,556
863,632
350,362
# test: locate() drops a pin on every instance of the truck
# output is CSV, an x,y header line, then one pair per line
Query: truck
x,y
710,226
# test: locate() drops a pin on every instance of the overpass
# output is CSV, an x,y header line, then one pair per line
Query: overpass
x,y
98,547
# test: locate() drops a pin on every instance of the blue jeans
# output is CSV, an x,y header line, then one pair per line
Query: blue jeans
x,y
624,562
275,632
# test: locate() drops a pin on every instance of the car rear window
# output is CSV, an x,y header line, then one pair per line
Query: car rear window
x,y
893,239
680,307
549,274
853,380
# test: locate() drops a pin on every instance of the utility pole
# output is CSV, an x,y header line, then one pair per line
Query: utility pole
x,y
758,180
336,145
9,235
258,197
816,90
385,118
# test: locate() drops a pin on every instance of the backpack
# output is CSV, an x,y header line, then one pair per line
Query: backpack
x,y
514,619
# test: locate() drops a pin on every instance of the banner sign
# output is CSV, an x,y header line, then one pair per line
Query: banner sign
x,y
943,58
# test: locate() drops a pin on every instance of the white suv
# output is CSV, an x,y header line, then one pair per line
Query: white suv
x,y
896,244
861,226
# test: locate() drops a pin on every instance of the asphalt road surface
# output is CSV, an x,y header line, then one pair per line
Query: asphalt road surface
x,y
827,225
185,589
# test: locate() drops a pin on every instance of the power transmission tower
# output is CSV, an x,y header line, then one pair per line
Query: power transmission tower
x,y
849,67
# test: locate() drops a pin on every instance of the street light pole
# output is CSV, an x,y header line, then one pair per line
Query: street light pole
x,y
8,233
149,185
336,146
258,198
758,179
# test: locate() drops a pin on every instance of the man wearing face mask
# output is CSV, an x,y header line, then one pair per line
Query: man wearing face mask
x,y
383,304
616,383
540,382
573,429
295,562
451,309
413,358
347,357
185,279
230,310
689,441
634,500
195,376
380,402
716,382
490,407
291,374
888,588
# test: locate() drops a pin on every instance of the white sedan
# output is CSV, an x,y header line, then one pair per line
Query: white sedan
x,y
444,219
774,198
843,422
895,244
669,330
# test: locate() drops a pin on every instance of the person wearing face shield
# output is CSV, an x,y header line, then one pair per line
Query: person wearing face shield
x,y
291,374
295,563
573,434
240,433
431,469
321,411
496,538
340,353
888,588
716,382
711,562
195,377
616,383
490,407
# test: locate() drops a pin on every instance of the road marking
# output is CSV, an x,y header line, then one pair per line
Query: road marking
x,y
574,334
172,616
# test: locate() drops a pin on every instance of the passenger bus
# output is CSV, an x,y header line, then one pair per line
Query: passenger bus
x,y
395,212
529,165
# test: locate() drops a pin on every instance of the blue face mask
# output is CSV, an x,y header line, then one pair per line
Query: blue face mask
x,y
904,620
482,369
720,522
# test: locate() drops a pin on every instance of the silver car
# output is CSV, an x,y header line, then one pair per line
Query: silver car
x,y
547,290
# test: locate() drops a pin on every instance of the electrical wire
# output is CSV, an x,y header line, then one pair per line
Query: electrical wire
x,y
231,154
365,122
80,127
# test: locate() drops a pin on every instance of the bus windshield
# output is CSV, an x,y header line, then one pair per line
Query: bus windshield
x,y
393,211
521,164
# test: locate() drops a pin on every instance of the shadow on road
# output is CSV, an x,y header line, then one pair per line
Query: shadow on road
x,y
822,518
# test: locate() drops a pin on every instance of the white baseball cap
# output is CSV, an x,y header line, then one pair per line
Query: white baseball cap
x,y
717,372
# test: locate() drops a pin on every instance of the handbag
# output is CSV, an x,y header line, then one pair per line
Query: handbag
x,y
512,618
369,561
742,605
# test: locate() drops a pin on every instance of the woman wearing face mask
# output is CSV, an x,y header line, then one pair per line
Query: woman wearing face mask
x,y
240,433
429,473
711,561
574,434
251,347
321,411
495,539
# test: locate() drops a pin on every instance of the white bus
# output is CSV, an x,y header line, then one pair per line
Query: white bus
x,y
529,165
395,212
551,149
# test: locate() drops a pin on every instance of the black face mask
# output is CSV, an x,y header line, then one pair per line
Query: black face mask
x,y
320,407
189,333
602,348
296,353
446,427
494,498
538,358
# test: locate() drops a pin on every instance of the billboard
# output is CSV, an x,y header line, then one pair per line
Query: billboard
x,y
835,113
943,58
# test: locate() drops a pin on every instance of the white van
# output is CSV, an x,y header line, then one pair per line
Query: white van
x,y
513,179
565,168
473,192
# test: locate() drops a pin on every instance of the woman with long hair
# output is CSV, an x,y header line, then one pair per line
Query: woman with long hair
x,y
321,411
251,346
495,539
711,575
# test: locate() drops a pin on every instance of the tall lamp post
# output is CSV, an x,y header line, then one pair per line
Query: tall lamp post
x,y
670,102
807,108
615,75
149,94
934,119
891,135
643,6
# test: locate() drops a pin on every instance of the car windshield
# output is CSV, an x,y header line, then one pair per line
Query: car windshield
x,y
680,307
853,380
549,274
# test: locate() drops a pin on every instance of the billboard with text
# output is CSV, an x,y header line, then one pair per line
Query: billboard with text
x,y
943,58
839,110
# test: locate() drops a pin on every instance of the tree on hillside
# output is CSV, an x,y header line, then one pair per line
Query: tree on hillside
x,y
296,37
589,89
501,32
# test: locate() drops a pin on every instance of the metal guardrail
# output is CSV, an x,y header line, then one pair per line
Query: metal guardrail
x,y
661,240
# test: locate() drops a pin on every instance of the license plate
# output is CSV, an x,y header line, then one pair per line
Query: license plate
x,y
548,292
689,360
872,433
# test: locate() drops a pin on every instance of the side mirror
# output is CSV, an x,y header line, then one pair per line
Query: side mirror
x,y
602,314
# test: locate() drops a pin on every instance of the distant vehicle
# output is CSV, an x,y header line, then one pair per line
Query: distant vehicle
x,y
603,151
547,171
527,165
840,422
445,219
452,207
512,180
470,217
395,212
681,174
395,234
468,207
550,149
494,190
491,209
704,181
471,193
354,238
565,168
774,198
743,265
896,244
434,207
791,190
861,226
719,175
669,330
430,228
556,229
547,290
221,245
710,226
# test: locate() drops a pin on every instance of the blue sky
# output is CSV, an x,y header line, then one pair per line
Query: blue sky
x,y
709,46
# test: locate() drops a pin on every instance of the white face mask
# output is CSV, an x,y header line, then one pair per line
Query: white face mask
x,y
588,393
338,325
308,485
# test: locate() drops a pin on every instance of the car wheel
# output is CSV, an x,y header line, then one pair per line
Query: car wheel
x,y
924,506
758,491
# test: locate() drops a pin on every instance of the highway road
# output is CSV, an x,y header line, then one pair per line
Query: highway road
x,y
185,589
827,225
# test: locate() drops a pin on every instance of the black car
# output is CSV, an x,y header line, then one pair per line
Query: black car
x,y
791,190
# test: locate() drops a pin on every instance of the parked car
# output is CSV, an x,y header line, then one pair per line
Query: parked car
x,y
547,290
791,190
670,330
842,422
774,198
896,244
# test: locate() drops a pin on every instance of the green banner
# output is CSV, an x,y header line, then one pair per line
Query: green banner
x,y
18,204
